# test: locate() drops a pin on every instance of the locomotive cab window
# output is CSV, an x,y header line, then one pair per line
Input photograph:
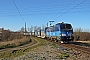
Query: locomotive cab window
x,y
66,26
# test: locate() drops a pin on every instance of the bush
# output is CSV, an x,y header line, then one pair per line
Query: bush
x,y
1,47
81,34
63,55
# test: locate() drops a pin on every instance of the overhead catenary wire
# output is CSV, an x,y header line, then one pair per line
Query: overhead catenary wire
x,y
64,8
46,10
5,14
36,9
20,15
18,11
41,14
70,9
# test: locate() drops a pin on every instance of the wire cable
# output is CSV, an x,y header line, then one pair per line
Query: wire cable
x,y
18,10
45,10
70,9
64,8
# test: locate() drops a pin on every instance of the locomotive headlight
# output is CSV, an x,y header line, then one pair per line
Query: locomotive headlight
x,y
62,34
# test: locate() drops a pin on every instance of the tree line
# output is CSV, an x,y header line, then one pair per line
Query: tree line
x,y
7,35
81,34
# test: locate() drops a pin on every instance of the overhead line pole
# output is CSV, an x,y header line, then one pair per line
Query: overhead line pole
x,y
50,26
51,22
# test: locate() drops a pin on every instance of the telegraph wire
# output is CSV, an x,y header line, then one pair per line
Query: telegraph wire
x,y
70,9
18,10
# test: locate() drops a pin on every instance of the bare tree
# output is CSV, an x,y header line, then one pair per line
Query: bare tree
x,y
81,34
78,30
38,28
35,28
43,26
31,29
22,29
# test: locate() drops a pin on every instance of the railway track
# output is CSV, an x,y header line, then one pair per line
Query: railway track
x,y
83,49
79,48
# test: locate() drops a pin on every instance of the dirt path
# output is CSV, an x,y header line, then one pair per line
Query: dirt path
x,y
31,44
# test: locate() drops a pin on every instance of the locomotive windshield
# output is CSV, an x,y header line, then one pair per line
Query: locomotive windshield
x,y
66,26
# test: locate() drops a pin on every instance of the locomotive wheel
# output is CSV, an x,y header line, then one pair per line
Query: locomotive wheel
x,y
56,40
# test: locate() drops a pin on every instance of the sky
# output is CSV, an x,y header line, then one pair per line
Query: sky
x,y
14,13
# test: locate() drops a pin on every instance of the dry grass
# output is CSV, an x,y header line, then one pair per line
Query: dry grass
x,y
16,41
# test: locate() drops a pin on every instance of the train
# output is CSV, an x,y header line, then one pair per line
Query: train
x,y
62,32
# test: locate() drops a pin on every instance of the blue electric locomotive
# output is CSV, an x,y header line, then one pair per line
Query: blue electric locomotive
x,y
60,32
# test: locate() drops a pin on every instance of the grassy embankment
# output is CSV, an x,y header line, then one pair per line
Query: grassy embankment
x,y
20,52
